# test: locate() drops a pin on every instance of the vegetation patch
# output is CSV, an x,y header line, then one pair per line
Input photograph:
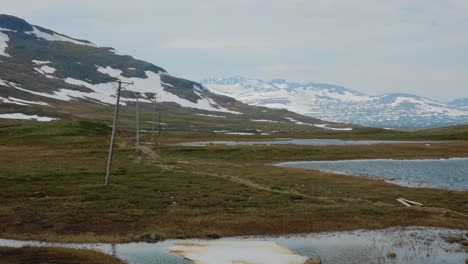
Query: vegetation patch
x,y
52,188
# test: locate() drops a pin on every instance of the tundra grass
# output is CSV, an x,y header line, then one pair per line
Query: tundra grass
x,y
52,188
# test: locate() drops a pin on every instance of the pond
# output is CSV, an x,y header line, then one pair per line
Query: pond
x,y
301,142
407,245
433,173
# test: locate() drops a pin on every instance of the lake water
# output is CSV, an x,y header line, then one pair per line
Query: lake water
x,y
435,173
412,245
303,142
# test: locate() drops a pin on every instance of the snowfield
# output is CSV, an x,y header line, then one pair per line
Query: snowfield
x,y
56,37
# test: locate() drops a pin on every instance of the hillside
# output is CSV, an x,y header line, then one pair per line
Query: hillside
x,y
340,104
461,103
45,75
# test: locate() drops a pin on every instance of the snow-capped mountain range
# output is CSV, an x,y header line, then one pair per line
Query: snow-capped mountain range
x,y
339,104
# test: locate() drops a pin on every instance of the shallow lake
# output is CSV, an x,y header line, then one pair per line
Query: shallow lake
x,y
435,173
303,142
411,245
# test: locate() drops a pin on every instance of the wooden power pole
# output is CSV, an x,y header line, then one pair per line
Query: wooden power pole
x,y
114,129
137,127
154,118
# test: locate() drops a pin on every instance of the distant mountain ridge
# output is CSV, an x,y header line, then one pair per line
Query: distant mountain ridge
x,y
339,104
460,103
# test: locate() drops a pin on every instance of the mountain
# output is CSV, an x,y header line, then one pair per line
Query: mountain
x,y
45,75
461,103
340,104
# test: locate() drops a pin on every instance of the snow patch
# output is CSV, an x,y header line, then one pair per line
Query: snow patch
x,y
152,84
240,133
116,52
7,29
323,126
216,116
167,84
297,122
56,37
326,126
265,120
38,62
46,71
3,44
27,117
17,101
248,252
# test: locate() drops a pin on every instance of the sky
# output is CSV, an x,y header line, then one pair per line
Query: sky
x,y
372,46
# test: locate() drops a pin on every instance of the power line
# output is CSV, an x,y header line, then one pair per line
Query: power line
x,y
114,127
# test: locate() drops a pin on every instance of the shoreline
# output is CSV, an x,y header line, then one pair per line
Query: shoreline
x,y
245,236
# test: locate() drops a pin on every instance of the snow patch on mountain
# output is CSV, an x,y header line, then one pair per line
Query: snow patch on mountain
x,y
17,101
215,116
27,117
38,62
103,92
265,121
116,52
326,127
56,37
322,126
152,84
3,44
46,71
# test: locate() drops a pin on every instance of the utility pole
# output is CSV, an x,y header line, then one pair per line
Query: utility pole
x,y
114,129
154,118
137,127
159,123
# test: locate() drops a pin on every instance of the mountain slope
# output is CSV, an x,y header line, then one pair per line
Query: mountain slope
x,y
46,75
77,69
461,103
339,104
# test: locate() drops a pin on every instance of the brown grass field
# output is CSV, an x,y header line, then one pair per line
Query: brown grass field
x,y
32,255
52,189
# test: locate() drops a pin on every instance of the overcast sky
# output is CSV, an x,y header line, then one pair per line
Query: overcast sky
x,y
373,46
